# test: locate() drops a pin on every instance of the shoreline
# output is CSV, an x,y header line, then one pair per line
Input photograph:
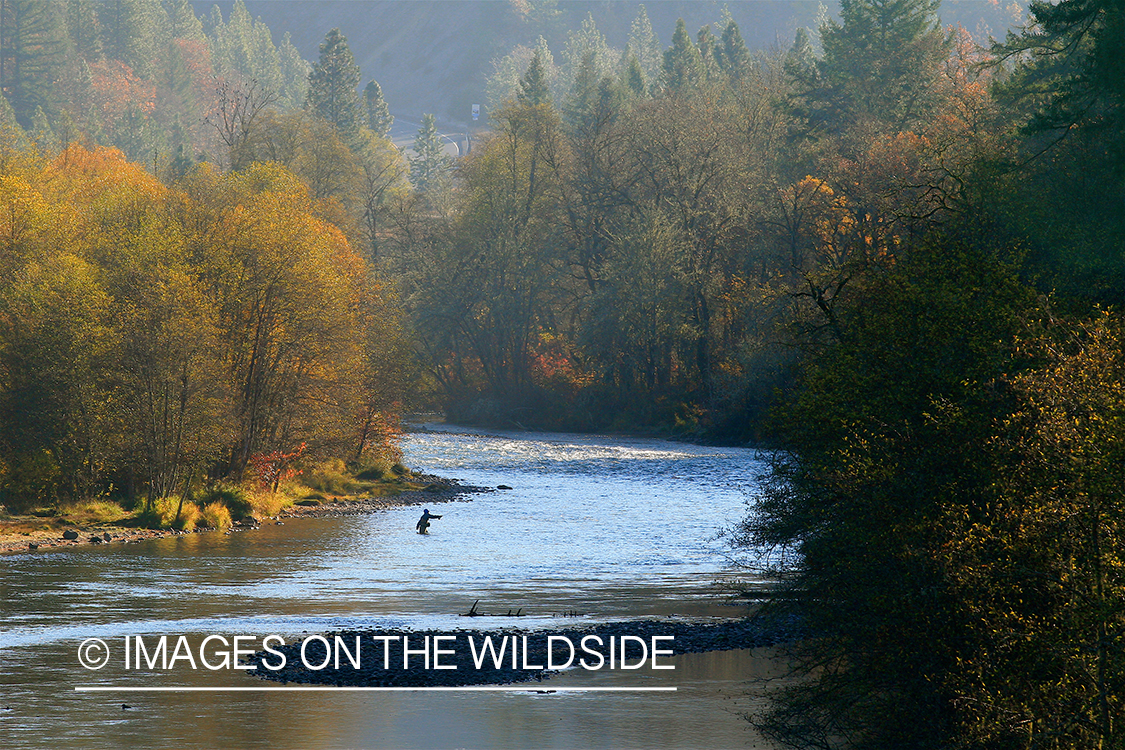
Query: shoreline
x,y
14,542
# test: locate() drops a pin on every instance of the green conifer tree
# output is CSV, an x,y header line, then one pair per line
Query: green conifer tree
x,y
294,75
881,63
733,56
1070,64
633,79
379,118
333,84
32,45
683,66
645,46
533,87
84,29
42,133
429,167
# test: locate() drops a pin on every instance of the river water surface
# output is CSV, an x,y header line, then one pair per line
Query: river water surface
x,y
593,529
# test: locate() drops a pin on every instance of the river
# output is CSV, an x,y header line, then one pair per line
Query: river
x,y
593,529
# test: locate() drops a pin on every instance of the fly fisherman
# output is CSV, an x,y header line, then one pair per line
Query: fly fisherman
x,y
424,521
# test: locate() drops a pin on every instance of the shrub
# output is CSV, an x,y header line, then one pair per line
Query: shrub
x,y
235,498
372,473
94,511
161,514
330,477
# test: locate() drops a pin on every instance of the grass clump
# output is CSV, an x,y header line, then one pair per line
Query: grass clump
x,y
267,504
216,515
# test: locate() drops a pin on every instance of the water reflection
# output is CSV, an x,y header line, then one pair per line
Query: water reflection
x,y
598,527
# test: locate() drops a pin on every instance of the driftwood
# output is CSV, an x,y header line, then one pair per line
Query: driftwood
x,y
473,612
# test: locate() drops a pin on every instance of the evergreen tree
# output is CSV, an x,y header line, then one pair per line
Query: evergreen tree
x,y
881,63
379,118
333,84
84,29
243,47
429,166
733,56
294,75
533,87
709,52
42,133
582,96
32,45
1070,64
645,46
183,23
132,31
633,79
683,67
800,61
580,44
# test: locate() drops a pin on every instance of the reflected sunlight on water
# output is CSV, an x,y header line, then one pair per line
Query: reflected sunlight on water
x,y
601,528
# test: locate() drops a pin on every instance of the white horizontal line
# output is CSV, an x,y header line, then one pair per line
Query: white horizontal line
x,y
327,688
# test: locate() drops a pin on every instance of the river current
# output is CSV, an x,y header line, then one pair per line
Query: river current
x,y
593,529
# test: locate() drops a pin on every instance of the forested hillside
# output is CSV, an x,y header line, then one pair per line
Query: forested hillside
x,y
437,55
890,249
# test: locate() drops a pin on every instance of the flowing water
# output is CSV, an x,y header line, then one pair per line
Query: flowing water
x,y
593,529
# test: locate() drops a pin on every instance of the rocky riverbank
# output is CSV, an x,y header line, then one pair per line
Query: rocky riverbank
x,y
30,534
506,655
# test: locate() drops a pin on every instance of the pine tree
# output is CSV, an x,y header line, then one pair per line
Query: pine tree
x,y
800,60
645,46
243,47
881,63
633,79
183,23
84,29
294,75
379,118
733,56
42,133
583,94
333,84
683,67
429,166
709,52
132,31
533,86
32,45
587,40
1071,66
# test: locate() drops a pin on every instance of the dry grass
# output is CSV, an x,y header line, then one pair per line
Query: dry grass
x,y
93,511
217,516
269,504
